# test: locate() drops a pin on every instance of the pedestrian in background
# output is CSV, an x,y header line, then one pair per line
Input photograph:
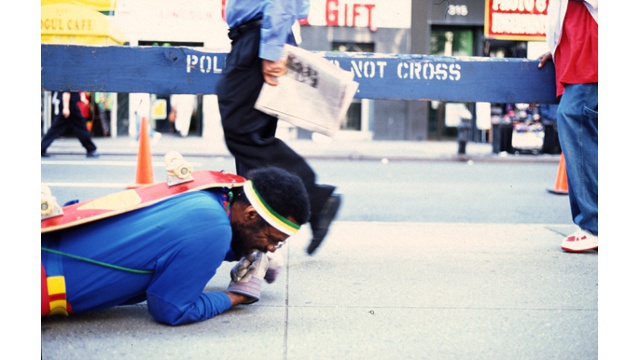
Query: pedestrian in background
x,y
142,110
572,36
184,105
68,116
258,31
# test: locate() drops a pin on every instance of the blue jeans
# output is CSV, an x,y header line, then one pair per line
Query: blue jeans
x,y
578,134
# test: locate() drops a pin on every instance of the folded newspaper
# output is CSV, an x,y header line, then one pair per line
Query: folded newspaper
x,y
314,94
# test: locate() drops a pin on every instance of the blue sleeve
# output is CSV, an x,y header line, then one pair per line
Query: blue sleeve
x,y
278,18
175,294
183,240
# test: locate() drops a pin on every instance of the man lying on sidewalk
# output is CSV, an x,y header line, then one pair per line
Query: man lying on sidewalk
x,y
166,253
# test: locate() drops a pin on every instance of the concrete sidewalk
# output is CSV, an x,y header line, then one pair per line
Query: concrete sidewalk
x,y
374,290
380,291
311,149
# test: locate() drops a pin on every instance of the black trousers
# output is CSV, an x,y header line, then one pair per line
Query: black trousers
x,y
78,125
249,133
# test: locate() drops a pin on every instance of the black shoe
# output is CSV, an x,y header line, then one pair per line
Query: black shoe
x,y
92,154
320,224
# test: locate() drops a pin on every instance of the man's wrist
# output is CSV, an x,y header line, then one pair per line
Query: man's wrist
x,y
237,299
271,52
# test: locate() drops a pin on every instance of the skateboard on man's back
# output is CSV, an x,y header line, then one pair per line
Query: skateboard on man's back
x,y
180,180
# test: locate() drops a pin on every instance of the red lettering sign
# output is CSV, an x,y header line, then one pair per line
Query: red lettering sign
x,y
524,20
343,13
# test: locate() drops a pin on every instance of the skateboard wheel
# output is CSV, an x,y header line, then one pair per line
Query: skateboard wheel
x,y
171,157
47,204
182,171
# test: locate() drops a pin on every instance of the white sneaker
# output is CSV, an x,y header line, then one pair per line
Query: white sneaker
x,y
580,241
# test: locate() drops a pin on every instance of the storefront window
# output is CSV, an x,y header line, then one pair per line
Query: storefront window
x,y
353,118
447,41
452,42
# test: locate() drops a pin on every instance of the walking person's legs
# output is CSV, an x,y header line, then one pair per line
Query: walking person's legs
x,y
79,126
57,129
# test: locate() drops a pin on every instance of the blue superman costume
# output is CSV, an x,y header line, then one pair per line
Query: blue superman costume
x,y
148,254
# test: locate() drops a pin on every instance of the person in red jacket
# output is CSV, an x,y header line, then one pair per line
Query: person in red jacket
x,y
572,36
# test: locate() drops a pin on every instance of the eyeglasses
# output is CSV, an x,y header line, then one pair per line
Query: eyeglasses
x,y
274,241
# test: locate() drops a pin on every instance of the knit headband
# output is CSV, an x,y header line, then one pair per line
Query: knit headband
x,y
266,212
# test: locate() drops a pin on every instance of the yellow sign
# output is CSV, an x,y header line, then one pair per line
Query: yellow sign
x,y
159,109
97,5
75,24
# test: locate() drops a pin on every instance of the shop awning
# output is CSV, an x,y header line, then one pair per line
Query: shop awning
x,y
103,6
70,23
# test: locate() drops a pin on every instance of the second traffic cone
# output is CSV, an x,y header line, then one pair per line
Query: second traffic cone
x,y
561,186
144,172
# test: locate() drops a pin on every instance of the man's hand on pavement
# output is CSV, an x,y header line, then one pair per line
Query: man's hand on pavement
x,y
247,276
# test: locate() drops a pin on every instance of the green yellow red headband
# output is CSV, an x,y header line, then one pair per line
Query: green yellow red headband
x,y
267,213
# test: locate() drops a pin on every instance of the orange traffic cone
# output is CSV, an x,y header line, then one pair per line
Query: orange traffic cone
x,y
144,172
561,186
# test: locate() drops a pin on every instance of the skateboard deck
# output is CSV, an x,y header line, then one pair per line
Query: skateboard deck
x,y
133,199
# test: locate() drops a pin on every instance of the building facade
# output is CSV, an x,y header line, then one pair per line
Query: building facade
x,y
452,27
